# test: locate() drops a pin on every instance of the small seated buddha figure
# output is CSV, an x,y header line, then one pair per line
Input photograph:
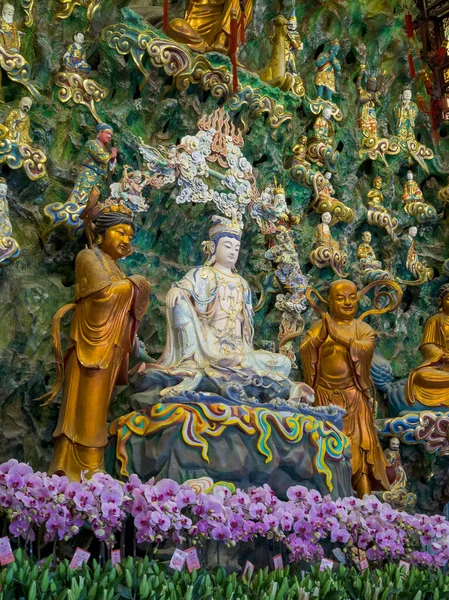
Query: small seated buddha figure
x,y
366,254
414,203
209,344
75,58
326,251
429,383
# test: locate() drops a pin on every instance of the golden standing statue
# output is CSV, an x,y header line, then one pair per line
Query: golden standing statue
x,y
107,310
429,383
336,355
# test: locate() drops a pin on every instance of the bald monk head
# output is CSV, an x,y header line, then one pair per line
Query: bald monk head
x,y
343,300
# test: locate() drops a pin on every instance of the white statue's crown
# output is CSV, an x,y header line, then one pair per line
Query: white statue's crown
x,y
224,225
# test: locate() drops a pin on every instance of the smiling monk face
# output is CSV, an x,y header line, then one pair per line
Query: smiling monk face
x,y
343,300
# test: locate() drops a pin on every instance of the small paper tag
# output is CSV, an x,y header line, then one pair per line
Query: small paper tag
x,y
277,562
81,556
404,563
248,571
339,555
326,564
192,560
6,555
177,560
116,558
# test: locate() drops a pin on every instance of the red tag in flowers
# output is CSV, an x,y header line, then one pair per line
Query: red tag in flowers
x,y
363,561
192,560
81,556
405,564
326,564
116,557
248,571
6,555
277,562
177,560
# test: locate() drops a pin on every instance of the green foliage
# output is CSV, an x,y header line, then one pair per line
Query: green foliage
x,y
138,579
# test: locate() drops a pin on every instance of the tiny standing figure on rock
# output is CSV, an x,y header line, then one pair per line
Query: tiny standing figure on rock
x,y
328,65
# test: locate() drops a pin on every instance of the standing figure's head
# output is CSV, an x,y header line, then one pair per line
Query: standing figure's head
x,y
327,113
443,298
371,84
394,444
25,104
406,95
223,246
114,231
335,47
343,300
278,193
409,176
412,232
78,38
8,13
292,24
104,133
366,237
3,188
326,218
377,183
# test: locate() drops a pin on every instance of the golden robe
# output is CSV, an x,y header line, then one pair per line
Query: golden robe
x,y
351,393
19,127
9,36
205,20
108,308
429,383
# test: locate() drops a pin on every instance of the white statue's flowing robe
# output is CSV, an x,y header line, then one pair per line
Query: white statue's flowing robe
x,y
210,332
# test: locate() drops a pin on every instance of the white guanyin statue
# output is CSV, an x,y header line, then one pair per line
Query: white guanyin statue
x,y
210,330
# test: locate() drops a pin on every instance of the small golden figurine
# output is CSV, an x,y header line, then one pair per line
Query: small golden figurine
x,y
414,204
372,269
326,251
336,355
16,147
377,213
421,273
328,65
429,383
107,310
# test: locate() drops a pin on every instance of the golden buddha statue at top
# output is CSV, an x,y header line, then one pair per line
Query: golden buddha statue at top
x,y
429,383
207,24
107,310
336,355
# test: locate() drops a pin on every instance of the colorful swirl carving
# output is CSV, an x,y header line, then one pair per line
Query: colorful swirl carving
x,y
429,428
200,421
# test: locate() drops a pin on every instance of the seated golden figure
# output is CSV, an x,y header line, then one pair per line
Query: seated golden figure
x,y
429,383
207,24
107,310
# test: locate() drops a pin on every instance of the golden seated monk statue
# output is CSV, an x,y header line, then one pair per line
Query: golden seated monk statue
x,y
207,24
429,383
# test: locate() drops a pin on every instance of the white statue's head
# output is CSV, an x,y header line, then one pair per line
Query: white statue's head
x,y
394,444
25,104
327,112
79,38
3,188
413,232
328,175
278,193
326,218
409,176
366,237
8,13
223,246
406,95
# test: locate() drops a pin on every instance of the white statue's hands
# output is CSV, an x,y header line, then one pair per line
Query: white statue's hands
x,y
173,297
